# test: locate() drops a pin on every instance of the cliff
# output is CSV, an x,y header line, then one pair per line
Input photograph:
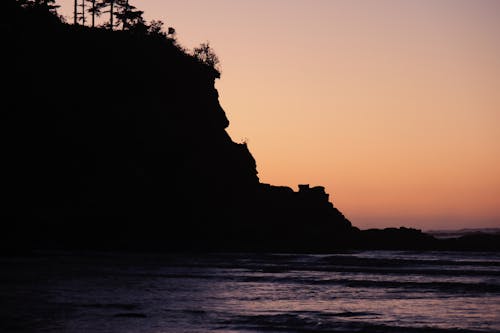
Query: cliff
x,y
117,139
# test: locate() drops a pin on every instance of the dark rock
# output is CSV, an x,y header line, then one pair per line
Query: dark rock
x,y
116,140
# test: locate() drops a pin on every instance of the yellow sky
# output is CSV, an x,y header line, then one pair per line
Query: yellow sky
x,y
393,106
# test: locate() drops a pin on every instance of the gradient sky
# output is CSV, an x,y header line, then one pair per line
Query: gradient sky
x,y
392,105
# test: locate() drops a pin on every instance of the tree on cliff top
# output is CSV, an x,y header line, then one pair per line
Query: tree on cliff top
x,y
94,10
129,16
205,54
48,5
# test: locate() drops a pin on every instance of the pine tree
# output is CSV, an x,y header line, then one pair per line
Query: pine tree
x,y
111,4
75,12
130,17
125,13
83,12
47,5
94,10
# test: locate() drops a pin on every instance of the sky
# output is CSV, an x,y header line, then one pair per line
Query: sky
x,y
392,105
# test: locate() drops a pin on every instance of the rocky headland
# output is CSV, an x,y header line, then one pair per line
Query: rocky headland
x,y
116,140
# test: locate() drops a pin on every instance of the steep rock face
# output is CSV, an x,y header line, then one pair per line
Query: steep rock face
x,y
115,139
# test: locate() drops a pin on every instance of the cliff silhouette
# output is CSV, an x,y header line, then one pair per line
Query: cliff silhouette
x,y
116,140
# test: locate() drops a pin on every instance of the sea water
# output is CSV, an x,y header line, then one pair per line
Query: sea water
x,y
367,291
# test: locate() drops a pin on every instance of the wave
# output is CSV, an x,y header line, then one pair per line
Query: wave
x,y
114,306
326,322
377,281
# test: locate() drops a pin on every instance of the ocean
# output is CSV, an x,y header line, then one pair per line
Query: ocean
x,y
360,291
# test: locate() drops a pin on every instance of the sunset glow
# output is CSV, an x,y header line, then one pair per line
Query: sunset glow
x,y
393,106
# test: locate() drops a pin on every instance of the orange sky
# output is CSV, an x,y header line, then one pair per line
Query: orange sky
x,y
393,106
